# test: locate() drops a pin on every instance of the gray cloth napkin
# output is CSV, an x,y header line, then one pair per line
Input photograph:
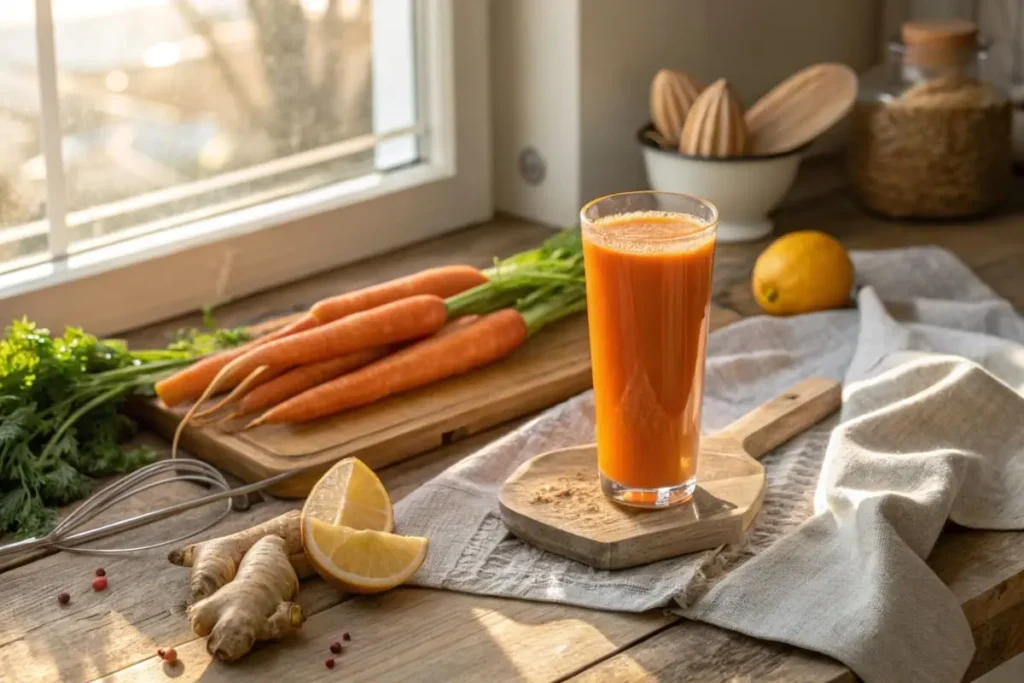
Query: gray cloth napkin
x,y
835,561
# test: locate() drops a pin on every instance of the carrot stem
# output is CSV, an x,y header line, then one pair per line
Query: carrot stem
x,y
538,312
483,299
503,292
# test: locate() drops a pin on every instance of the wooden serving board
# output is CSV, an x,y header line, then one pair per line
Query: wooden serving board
x,y
549,368
554,500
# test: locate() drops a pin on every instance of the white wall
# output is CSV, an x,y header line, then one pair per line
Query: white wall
x,y
753,44
535,100
963,9
571,77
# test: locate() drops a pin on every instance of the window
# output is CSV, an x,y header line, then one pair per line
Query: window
x,y
243,143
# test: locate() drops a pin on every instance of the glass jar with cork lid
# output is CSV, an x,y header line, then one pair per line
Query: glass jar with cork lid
x,y
931,130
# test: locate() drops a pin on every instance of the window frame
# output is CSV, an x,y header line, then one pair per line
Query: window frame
x,y
174,271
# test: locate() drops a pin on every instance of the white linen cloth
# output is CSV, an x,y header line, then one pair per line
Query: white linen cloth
x,y
932,428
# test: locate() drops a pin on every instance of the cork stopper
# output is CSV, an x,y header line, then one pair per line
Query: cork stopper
x,y
939,42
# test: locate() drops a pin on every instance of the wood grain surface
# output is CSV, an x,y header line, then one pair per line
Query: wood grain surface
x,y
801,108
551,367
438,636
554,500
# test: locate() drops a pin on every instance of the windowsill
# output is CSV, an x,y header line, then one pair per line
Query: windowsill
x,y
161,242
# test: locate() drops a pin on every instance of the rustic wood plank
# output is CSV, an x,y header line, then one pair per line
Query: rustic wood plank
x,y
697,652
985,570
686,651
997,640
427,636
675,650
548,369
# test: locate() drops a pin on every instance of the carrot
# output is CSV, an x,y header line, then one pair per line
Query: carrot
x,y
298,380
483,341
458,323
256,378
305,377
412,318
190,383
443,282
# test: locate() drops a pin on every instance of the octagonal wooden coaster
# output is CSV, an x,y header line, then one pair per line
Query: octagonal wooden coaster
x,y
554,500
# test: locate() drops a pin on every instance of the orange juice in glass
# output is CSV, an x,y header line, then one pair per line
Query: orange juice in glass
x,y
648,259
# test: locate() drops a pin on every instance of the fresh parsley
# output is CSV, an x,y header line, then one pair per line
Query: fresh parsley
x,y
59,421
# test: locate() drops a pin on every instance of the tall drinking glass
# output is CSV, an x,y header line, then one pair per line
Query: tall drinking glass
x,y
648,259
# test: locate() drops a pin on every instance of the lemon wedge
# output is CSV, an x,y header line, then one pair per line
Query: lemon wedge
x,y
361,561
350,494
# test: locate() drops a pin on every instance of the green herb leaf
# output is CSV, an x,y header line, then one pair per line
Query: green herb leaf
x,y
59,419
15,424
64,484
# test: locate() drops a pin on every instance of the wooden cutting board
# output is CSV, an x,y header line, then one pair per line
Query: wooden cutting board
x,y
549,368
554,500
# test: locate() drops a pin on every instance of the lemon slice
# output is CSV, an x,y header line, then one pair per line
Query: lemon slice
x,y
362,561
350,494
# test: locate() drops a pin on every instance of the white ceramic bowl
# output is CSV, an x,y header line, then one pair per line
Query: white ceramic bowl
x,y
743,189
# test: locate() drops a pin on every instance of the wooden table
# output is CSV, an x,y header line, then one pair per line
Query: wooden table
x,y
423,635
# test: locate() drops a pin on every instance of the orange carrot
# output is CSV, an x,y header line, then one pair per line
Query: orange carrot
x,y
443,282
484,341
412,318
458,324
189,384
256,378
298,380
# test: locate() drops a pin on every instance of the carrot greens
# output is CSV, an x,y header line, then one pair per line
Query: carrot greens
x,y
530,277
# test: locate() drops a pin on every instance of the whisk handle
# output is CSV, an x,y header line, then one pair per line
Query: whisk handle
x,y
23,546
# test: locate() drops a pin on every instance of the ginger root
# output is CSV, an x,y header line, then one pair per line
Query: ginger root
x,y
255,605
215,562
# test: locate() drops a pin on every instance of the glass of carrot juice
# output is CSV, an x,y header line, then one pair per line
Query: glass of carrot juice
x,y
648,259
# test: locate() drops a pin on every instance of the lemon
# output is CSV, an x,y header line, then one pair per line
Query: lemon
x,y
351,495
802,272
362,561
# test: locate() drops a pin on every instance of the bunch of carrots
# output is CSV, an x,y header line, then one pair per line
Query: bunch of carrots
x,y
356,348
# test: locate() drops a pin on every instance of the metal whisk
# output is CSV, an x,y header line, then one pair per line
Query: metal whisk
x,y
67,535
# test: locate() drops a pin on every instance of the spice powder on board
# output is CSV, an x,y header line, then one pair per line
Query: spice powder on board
x,y
578,492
